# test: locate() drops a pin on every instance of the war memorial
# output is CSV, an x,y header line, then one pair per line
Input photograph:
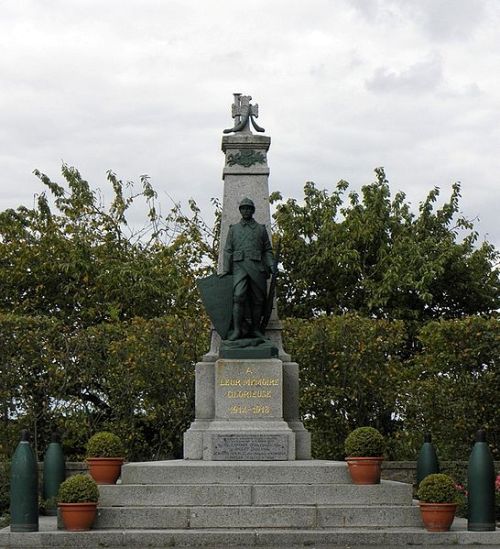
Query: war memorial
x,y
247,478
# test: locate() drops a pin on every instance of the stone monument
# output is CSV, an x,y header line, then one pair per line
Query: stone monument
x,y
247,387
247,478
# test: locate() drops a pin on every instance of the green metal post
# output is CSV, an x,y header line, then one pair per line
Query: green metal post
x,y
54,472
24,488
481,487
427,461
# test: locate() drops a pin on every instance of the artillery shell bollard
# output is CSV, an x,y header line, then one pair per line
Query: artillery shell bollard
x,y
54,472
481,487
427,461
24,488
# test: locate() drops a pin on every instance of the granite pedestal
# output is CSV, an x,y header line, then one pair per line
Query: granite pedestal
x,y
241,412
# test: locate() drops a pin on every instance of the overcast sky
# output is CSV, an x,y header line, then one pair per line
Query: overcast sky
x,y
343,86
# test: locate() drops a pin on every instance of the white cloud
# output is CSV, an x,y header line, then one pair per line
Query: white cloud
x,y
444,20
423,76
343,86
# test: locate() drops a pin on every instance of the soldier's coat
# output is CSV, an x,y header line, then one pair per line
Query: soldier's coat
x,y
248,253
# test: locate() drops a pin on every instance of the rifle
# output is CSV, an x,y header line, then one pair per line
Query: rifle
x,y
268,308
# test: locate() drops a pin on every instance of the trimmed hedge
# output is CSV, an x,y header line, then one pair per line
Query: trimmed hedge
x,y
402,379
105,445
437,488
78,489
136,378
364,442
349,377
451,386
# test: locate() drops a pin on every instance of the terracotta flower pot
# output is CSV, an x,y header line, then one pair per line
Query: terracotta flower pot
x,y
365,470
105,470
78,517
437,517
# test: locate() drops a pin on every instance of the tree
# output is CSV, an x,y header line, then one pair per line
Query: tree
x,y
451,386
28,363
101,323
372,255
84,264
349,371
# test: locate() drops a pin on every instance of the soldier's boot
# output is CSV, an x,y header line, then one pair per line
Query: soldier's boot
x,y
256,318
237,321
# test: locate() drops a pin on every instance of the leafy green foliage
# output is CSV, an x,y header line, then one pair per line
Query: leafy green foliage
x,y
4,487
100,321
364,442
346,364
78,489
437,488
47,505
146,370
133,377
370,254
452,385
101,324
31,352
84,264
105,444
357,371
354,258
497,497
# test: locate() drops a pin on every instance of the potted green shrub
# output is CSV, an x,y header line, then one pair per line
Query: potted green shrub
x,y
105,456
77,502
364,449
438,496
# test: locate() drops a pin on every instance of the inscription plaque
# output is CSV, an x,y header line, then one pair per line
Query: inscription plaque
x,y
250,447
248,389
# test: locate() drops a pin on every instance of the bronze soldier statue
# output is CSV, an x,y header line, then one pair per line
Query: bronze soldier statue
x,y
248,256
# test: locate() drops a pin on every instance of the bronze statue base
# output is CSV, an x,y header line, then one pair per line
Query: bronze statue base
x,y
256,347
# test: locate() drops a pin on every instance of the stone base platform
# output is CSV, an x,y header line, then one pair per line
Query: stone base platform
x,y
186,503
262,538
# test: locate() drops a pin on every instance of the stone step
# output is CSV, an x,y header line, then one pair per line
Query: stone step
x,y
258,517
136,495
275,538
234,472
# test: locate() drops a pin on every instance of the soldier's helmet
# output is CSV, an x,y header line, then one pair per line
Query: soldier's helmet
x,y
247,202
